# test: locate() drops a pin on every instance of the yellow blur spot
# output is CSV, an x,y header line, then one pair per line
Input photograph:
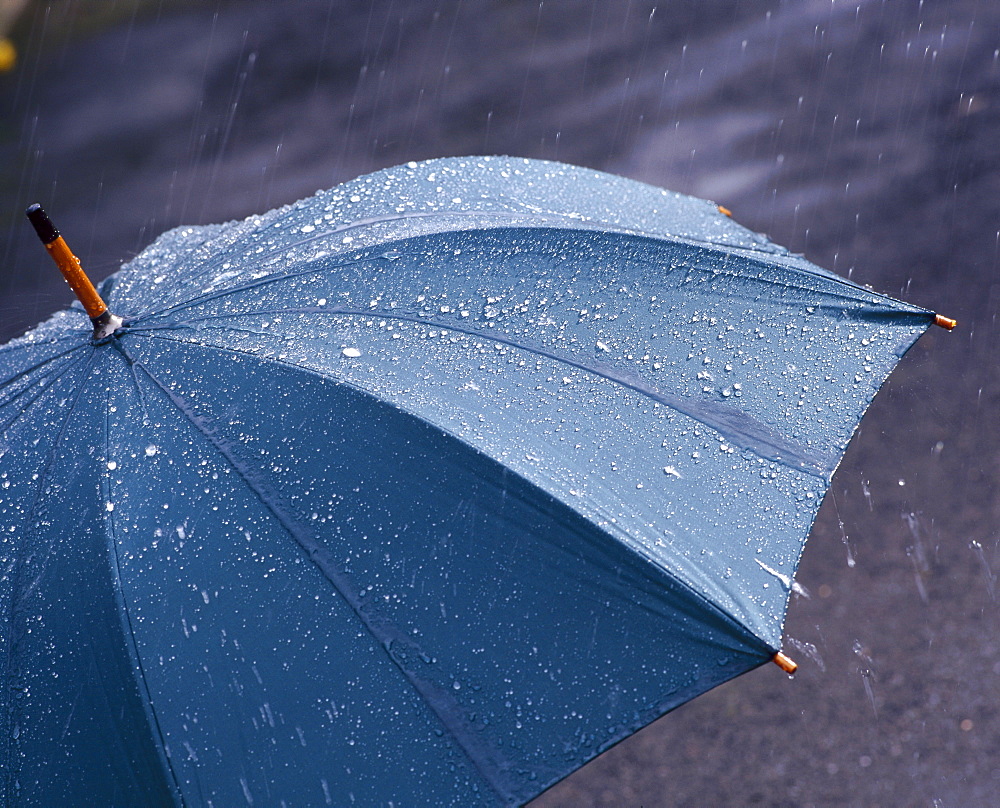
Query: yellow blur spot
x,y
8,55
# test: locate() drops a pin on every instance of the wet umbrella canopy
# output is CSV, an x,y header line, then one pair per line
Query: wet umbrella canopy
x,y
426,489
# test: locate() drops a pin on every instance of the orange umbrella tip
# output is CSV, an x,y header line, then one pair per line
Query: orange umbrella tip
x,y
945,322
725,211
103,320
787,664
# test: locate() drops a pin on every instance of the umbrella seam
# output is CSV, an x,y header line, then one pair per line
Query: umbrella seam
x,y
708,248
284,214
18,343
754,435
39,364
110,523
38,394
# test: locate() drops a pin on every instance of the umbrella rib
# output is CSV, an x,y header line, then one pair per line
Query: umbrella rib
x,y
221,293
710,247
736,620
27,389
440,702
736,426
386,634
231,250
17,345
530,211
198,271
39,364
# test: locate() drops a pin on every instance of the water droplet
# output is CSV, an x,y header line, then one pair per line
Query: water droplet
x,y
351,353
151,450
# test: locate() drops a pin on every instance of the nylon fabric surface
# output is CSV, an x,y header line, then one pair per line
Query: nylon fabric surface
x,y
439,482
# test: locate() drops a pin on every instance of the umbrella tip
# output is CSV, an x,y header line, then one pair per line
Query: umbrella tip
x,y
945,322
725,211
103,320
787,664
42,223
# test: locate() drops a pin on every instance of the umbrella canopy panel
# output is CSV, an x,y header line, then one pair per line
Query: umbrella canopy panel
x,y
670,393
440,482
770,353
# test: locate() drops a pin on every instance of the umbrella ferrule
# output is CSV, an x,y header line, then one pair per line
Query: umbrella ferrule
x,y
42,223
105,324
786,663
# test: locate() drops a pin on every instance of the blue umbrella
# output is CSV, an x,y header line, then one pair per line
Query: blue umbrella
x,y
425,490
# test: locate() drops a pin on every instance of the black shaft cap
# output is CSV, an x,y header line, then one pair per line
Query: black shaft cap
x,y
42,224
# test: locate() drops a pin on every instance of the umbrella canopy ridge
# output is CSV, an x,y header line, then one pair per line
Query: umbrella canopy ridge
x,y
438,482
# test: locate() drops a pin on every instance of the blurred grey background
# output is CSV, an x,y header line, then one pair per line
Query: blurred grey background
x,y
861,133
